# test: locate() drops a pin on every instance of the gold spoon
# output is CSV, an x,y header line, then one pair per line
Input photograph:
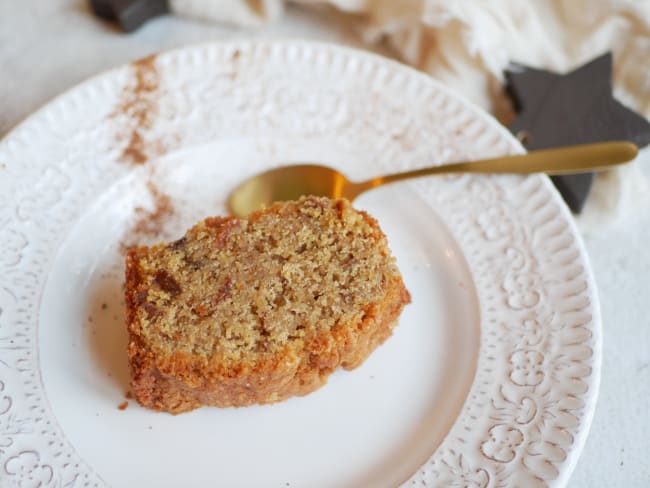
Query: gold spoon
x,y
292,182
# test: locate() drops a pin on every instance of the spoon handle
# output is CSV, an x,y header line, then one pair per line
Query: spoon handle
x,y
570,159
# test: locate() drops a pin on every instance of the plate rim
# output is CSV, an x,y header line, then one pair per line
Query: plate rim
x,y
569,463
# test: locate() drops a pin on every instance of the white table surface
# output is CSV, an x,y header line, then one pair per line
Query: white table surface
x,y
48,46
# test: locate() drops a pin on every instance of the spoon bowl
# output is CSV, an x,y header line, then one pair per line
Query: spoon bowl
x,y
292,182
287,183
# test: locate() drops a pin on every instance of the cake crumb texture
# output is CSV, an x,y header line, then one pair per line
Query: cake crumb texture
x,y
256,310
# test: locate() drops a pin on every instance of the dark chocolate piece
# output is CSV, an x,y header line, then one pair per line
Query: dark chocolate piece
x,y
103,9
574,189
575,108
130,14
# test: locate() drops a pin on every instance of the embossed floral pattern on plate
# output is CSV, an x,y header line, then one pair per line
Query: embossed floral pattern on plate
x,y
529,407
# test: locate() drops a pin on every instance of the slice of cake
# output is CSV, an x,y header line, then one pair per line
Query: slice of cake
x,y
244,311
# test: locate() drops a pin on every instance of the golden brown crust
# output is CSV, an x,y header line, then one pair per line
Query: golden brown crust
x,y
171,371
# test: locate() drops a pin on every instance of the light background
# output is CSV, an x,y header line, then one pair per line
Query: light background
x,y
46,47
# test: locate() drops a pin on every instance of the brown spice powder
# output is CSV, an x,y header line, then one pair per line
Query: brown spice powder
x,y
150,223
139,104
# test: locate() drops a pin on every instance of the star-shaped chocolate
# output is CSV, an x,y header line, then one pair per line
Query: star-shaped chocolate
x,y
575,108
130,14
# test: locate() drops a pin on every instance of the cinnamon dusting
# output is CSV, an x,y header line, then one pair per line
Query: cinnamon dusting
x,y
139,104
150,223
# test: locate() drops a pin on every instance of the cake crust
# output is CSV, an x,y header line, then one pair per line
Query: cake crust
x,y
254,311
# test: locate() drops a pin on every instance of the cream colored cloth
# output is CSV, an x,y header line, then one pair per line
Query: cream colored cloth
x,y
467,44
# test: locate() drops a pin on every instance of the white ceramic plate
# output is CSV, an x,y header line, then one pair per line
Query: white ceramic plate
x,y
490,379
